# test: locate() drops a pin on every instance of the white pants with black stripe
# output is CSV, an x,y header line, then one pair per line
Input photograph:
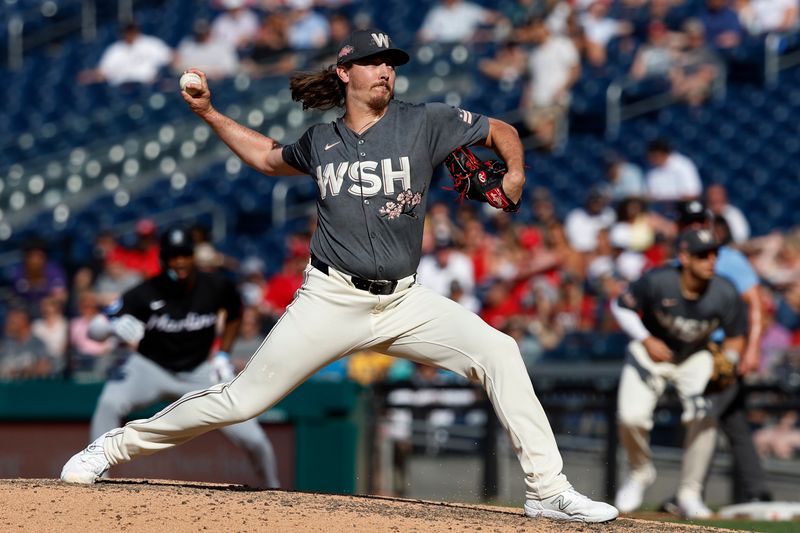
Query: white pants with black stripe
x,y
642,382
330,318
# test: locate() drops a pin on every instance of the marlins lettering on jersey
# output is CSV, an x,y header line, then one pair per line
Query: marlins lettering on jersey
x,y
192,322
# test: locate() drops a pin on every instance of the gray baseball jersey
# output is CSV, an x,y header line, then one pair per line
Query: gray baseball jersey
x,y
373,187
685,325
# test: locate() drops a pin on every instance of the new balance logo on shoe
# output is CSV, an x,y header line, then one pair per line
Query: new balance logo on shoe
x,y
561,503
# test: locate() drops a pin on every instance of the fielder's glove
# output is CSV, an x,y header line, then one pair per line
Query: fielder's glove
x,y
221,368
479,180
128,328
723,374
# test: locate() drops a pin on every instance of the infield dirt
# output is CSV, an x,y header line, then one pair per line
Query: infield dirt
x,y
34,505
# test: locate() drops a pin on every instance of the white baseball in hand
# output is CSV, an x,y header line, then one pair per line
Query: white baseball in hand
x,y
196,86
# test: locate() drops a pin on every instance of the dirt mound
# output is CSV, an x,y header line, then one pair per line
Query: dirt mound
x,y
136,505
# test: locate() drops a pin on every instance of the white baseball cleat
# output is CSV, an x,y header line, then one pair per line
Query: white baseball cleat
x,y
571,505
692,507
630,495
86,466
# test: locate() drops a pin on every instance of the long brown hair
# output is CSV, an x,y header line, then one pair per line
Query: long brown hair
x,y
318,90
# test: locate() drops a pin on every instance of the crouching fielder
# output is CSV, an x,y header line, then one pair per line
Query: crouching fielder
x,y
670,314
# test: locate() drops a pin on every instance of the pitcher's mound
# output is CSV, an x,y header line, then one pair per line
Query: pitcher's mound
x,y
138,505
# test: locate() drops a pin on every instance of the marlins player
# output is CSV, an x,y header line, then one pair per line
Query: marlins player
x,y
171,319
670,314
373,167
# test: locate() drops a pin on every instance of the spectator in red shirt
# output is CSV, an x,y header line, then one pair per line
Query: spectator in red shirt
x,y
499,305
280,288
143,257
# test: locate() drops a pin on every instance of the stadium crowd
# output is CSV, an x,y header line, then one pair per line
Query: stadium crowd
x,y
682,47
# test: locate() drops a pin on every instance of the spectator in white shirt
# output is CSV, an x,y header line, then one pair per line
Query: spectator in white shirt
x,y
625,178
764,16
454,21
308,30
554,67
445,265
599,28
584,223
673,176
237,26
52,328
136,58
717,202
216,58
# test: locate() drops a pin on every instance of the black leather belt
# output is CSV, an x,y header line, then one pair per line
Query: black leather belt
x,y
379,287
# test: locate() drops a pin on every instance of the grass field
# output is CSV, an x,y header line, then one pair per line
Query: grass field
x,y
746,525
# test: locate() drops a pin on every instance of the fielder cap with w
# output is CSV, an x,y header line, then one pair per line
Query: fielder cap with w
x,y
697,241
365,43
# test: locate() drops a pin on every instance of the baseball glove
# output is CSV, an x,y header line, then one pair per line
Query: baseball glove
x,y
723,374
479,180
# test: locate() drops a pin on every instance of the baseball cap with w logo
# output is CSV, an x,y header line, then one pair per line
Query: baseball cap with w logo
x,y
365,43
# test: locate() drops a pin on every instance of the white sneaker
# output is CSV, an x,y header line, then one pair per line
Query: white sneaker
x,y
630,495
571,505
86,466
692,508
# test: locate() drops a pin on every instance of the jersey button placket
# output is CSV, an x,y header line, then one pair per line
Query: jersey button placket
x,y
361,156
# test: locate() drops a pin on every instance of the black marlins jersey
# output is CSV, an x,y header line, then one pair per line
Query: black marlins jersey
x,y
685,325
180,323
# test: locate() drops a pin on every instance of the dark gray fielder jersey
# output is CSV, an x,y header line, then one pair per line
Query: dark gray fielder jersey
x,y
685,325
373,187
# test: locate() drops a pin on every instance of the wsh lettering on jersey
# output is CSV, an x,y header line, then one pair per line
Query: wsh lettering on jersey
x,y
192,322
368,178
687,329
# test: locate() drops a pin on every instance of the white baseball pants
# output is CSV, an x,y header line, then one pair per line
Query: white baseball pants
x,y
330,318
642,382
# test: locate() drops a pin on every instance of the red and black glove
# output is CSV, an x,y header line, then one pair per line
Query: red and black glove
x,y
479,180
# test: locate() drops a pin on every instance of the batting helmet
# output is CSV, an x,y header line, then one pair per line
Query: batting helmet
x,y
176,242
693,212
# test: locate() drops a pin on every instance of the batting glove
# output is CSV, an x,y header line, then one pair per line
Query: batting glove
x,y
128,328
221,368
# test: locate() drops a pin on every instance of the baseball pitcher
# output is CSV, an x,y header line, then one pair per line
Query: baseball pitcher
x,y
373,169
